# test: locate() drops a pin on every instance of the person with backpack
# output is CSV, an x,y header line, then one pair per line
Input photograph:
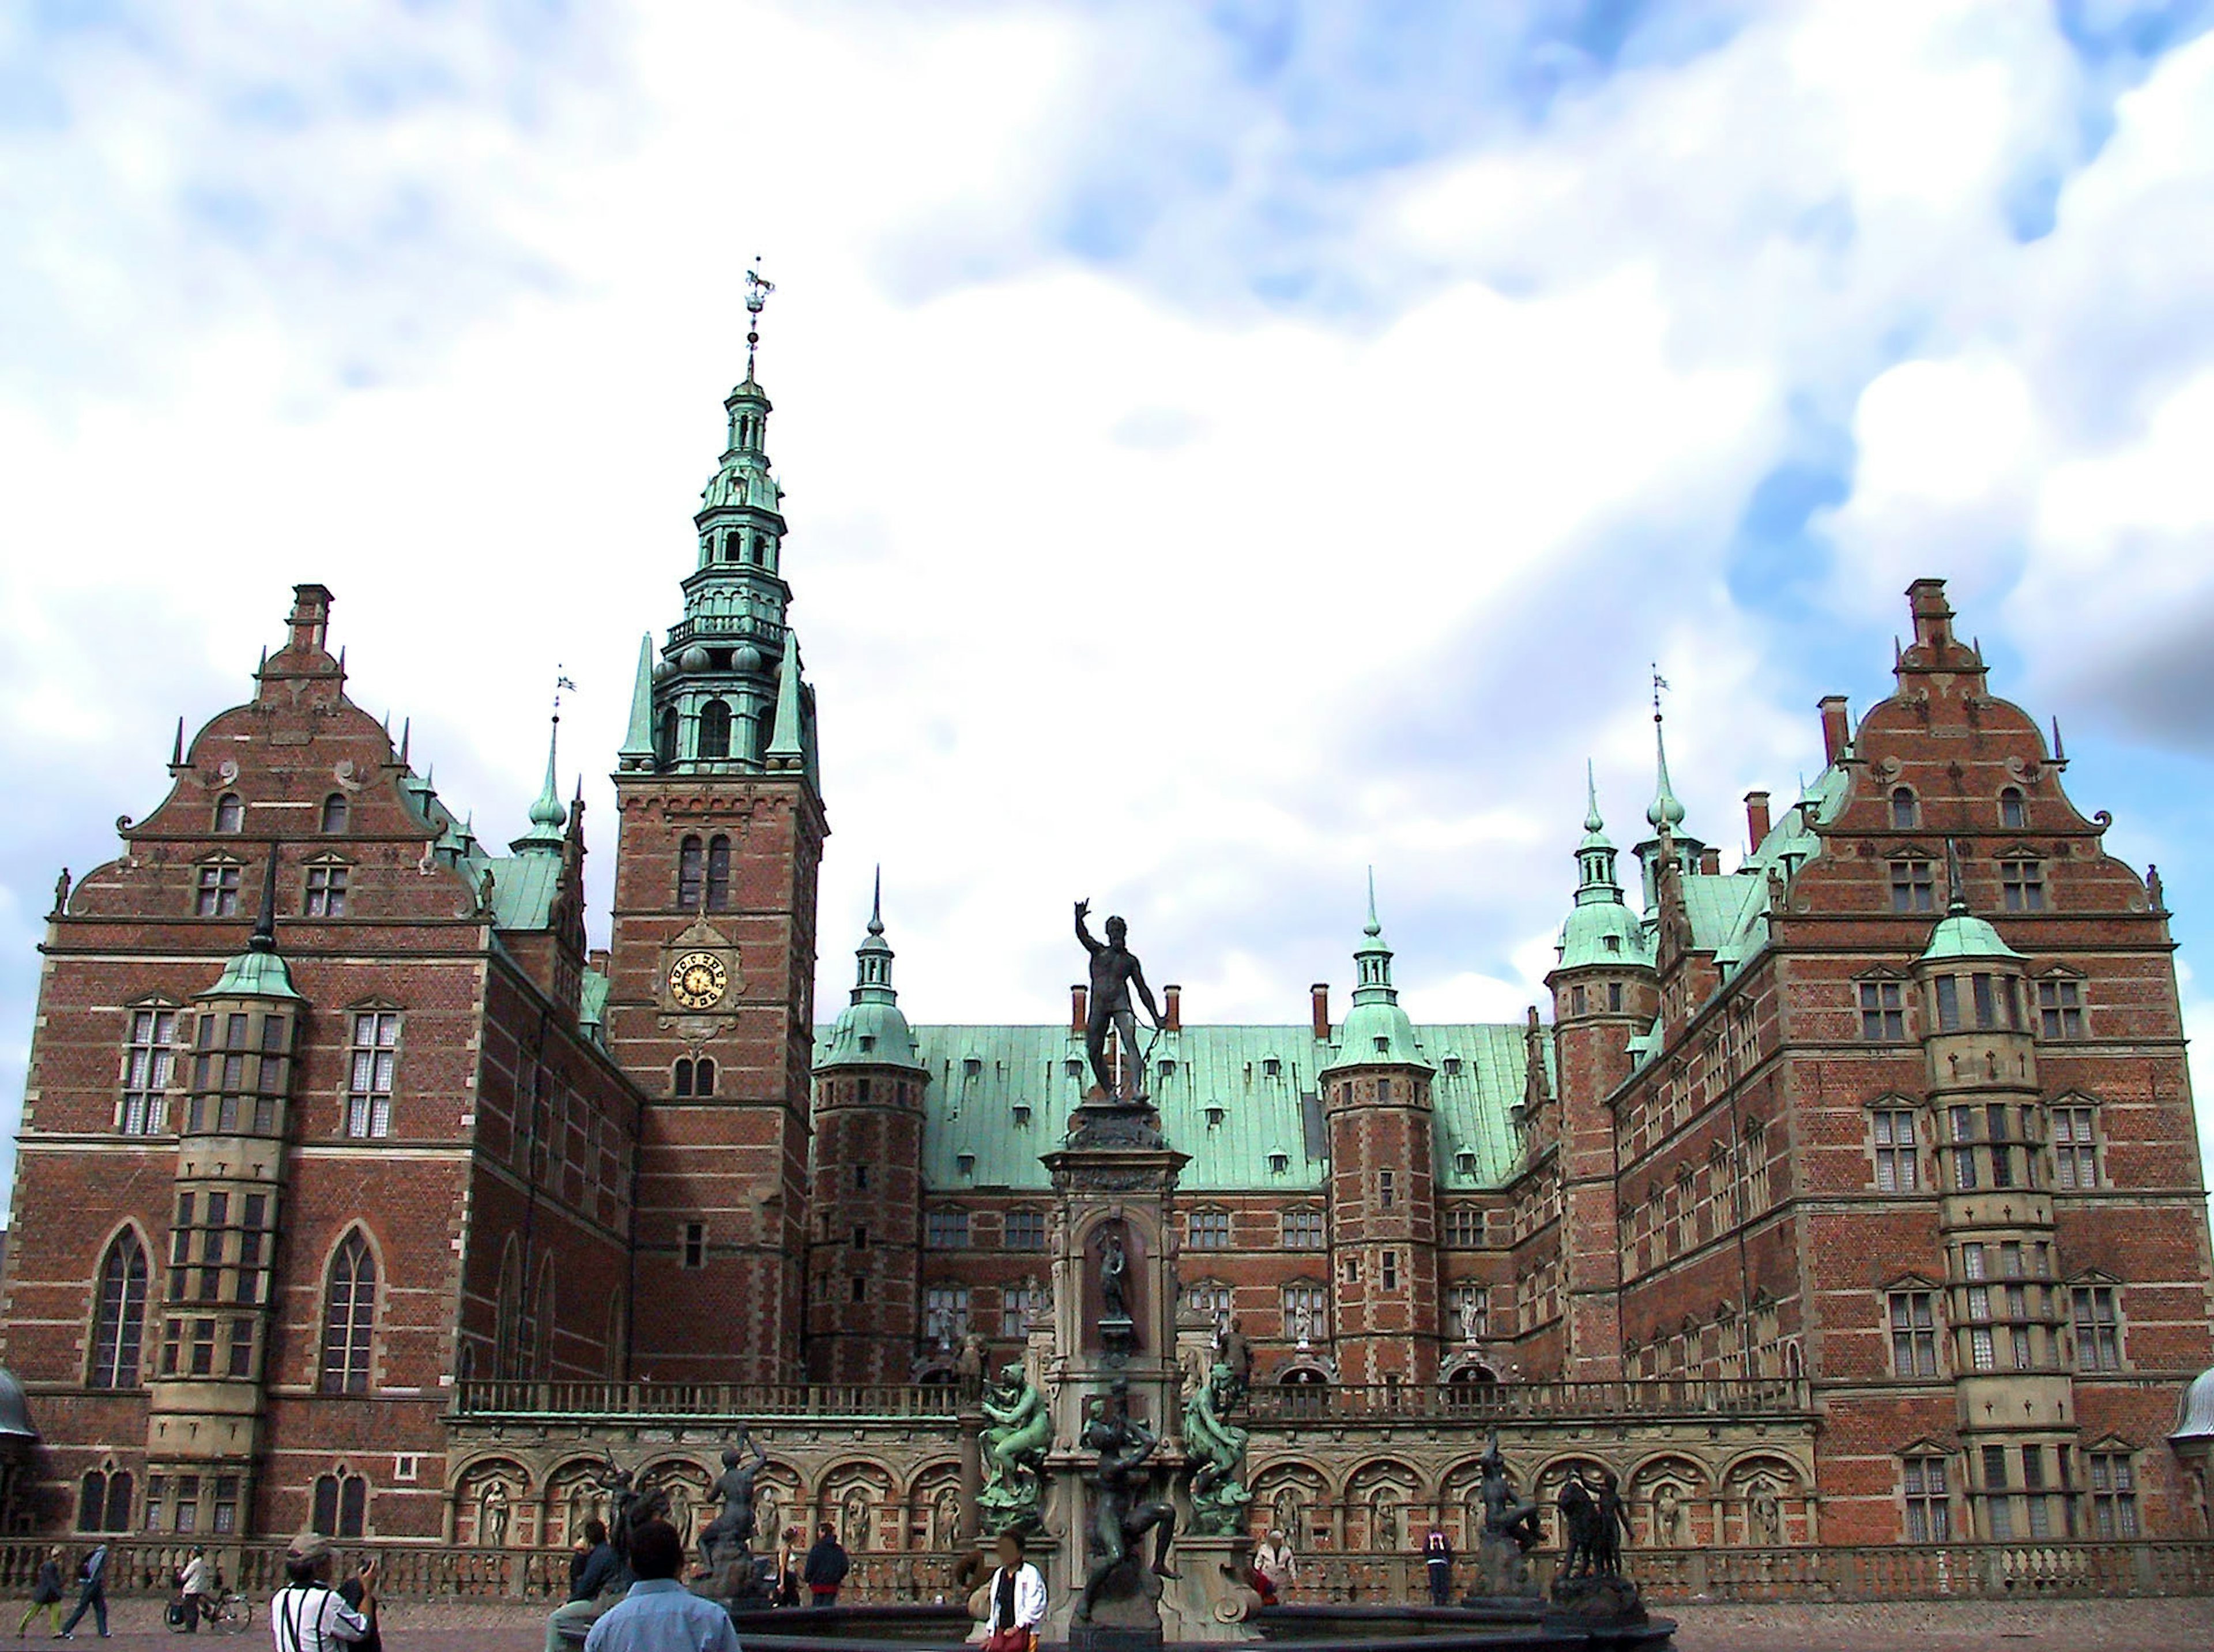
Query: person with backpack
x,y
91,1592
46,1593
309,1615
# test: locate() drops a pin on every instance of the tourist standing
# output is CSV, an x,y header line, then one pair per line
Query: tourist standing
x,y
196,1589
1017,1599
1437,1560
46,1591
91,1592
1272,1561
827,1566
788,1562
658,1614
309,1615
592,1570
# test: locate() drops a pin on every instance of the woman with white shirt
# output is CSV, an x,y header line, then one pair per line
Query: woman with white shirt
x,y
1018,1600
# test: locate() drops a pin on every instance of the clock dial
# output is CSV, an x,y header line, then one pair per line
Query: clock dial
x,y
697,979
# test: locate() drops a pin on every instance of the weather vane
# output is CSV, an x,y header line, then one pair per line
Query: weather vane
x,y
758,288
1660,683
561,681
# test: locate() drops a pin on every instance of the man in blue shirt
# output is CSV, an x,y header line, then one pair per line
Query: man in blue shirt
x,y
595,1570
660,1614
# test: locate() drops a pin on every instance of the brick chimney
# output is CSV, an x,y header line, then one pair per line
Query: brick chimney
x,y
1933,615
1837,731
1710,861
1078,996
1321,992
1171,1008
311,618
1756,818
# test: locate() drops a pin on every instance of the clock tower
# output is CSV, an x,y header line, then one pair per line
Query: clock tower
x,y
711,1010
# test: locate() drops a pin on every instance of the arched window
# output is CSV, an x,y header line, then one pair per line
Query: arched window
x,y
229,813
349,1316
680,1082
718,873
103,1501
703,1077
335,813
665,747
1905,815
341,1505
120,1314
2013,811
690,883
715,729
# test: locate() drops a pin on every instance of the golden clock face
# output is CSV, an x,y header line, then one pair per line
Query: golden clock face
x,y
696,979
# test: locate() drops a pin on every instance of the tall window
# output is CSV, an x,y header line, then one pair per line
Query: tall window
x,y
326,890
665,744
691,883
945,1313
1025,1229
349,1316
695,1244
119,1324
2113,1483
2098,1329
946,1230
692,1078
1960,1129
1904,816
217,894
149,1063
2012,811
1207,1299
1883,1010
1302,1230
341,1505
335,813
1912,887
718,873
1998,1506
229,813
2022,885
1897,1161
369,1077
715,729
1018,1305
2074,1150
1914,1333
1929,1504
2060,1009
1464,1225
1210,1230
103,1501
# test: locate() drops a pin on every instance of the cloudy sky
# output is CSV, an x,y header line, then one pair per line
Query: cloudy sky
x,y
1225,447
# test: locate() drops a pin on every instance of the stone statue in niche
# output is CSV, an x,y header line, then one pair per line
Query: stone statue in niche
x,y
1114,1275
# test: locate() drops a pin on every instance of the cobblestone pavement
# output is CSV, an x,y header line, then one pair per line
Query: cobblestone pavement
x,y
1907,1626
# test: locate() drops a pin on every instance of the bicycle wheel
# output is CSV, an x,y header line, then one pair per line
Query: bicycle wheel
x,y
232,1616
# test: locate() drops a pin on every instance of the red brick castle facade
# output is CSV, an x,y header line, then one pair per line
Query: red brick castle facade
x,y
1849,1196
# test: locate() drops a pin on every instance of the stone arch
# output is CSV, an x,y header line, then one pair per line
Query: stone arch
x,y
575,1492
1381,1501
1667,1493
687,1482
492,1506
780,1500
1293,1498
933,1506
857,1498
1545,1483
1764,1500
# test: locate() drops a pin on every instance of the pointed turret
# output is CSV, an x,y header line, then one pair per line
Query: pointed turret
x,y
546,814
871,1031
1600,929
637,738
1376,1033
787,745
1664,815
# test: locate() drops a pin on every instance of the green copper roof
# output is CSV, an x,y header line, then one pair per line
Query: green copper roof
x,y
1376,1031
638,737
1600,930
1238,1099
786,747
871,1031
592,1005
1960,935
255,973
522,890
1665,811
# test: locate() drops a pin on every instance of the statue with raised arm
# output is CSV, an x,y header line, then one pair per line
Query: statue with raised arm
x,y
728,1536
1115,972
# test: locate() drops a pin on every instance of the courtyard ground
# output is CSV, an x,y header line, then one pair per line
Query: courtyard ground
x,y
2180,1625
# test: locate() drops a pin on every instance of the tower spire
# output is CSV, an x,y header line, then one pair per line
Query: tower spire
x,y
637,738
1593,823
1665,813
1372,960
546,814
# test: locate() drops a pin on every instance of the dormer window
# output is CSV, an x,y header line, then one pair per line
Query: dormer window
x,y
1021,1117
1450,1066
1383,1044
1612,943
868,1043
965,1163
1075,1067
229,813
1272,1068
1168,1067
971,1068
1215,1119
1465,1163
335,814
1279,1163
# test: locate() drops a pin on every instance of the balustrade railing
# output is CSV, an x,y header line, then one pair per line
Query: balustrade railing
x,y
1295,1402
1967,1571
705,1402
